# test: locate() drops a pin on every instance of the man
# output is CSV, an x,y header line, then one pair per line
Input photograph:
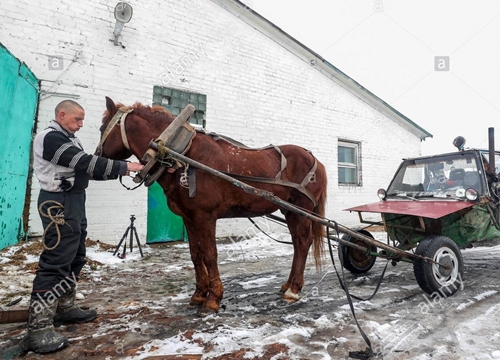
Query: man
x,y
63,170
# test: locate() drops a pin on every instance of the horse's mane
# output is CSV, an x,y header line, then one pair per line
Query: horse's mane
x,y
154,113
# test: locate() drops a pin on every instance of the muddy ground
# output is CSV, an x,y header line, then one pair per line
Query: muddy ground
x,y
142,299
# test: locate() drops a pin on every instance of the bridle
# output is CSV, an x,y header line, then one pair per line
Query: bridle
x,y
118,119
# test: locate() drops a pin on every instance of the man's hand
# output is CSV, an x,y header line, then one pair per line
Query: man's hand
x,y
134,167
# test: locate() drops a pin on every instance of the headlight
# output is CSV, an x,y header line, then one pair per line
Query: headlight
x,y
471,194
382,194
460,193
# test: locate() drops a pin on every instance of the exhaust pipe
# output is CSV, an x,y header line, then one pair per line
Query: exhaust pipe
x,y
491,148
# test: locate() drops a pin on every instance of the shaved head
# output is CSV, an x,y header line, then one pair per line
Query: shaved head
x,y
70,115
67,105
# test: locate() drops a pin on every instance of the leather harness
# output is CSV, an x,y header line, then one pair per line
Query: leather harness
x,y
167,162
277,179
118,119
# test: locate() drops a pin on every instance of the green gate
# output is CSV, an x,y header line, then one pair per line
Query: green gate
x,y
18,103
163,224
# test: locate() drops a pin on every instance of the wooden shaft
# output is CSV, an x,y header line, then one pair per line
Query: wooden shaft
x,y
285,205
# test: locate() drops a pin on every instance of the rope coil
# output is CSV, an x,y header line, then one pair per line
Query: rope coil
x,y
56,221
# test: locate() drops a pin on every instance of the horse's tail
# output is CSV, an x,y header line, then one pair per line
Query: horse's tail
x,y
318,230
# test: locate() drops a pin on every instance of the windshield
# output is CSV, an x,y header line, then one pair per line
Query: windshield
x,y
441,176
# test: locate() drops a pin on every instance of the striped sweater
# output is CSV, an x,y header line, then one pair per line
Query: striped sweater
x,y
61,164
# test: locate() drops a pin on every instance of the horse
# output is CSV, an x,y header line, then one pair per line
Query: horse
x,y
216,198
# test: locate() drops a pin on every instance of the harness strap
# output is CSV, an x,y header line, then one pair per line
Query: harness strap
x,y
120,115
122,130
275,181
310,174
283,162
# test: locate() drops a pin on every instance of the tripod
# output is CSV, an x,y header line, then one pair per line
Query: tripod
x,y
133,232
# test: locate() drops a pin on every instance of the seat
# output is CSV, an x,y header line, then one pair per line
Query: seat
x,y
456,178
471,180
457,174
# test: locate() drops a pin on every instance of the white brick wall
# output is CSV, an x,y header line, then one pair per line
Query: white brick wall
x,y
258,91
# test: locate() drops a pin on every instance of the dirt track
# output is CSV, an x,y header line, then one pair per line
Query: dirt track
x,y
146,299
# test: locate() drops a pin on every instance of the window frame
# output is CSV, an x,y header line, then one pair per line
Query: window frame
x,y
356,145
178,99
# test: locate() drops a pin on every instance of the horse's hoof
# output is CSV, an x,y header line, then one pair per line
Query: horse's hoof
x,y
284,288
193,305
209,307
196,302
204,311
290,296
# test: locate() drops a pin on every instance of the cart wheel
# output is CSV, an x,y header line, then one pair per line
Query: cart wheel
x,y
355,260
433,277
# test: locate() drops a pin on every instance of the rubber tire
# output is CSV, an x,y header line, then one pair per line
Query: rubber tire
x,y
355,260
426,273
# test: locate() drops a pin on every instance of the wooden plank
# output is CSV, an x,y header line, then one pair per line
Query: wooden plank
x,y
175,357
13,316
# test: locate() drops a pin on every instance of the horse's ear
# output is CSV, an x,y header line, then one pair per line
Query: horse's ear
x,y
110,105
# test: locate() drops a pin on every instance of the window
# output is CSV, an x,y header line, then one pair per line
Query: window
x,y
176,100
349,163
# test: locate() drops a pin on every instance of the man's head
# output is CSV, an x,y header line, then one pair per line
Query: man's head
x,y
70,115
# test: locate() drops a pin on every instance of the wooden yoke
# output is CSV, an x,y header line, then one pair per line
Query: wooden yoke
x,y
168,133
167,137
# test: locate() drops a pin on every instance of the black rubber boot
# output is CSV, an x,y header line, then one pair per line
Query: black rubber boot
x,y
41,337
69,312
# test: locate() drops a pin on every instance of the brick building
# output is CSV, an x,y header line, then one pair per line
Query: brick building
x,y
253,82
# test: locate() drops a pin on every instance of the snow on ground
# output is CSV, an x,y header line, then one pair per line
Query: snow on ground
x,y
142,302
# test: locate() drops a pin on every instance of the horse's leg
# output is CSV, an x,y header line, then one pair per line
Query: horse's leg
x,y
210,285
300,229
200,294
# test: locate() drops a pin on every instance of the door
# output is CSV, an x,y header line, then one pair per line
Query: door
x,y
18,103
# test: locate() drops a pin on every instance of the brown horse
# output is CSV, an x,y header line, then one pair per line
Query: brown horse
x,y
216,198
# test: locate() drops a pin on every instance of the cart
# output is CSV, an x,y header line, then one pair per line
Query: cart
x,y
433,207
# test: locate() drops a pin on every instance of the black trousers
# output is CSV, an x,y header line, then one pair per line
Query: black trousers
x,y
62,265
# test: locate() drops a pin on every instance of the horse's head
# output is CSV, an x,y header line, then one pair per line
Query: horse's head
x,y
123,136
112,144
